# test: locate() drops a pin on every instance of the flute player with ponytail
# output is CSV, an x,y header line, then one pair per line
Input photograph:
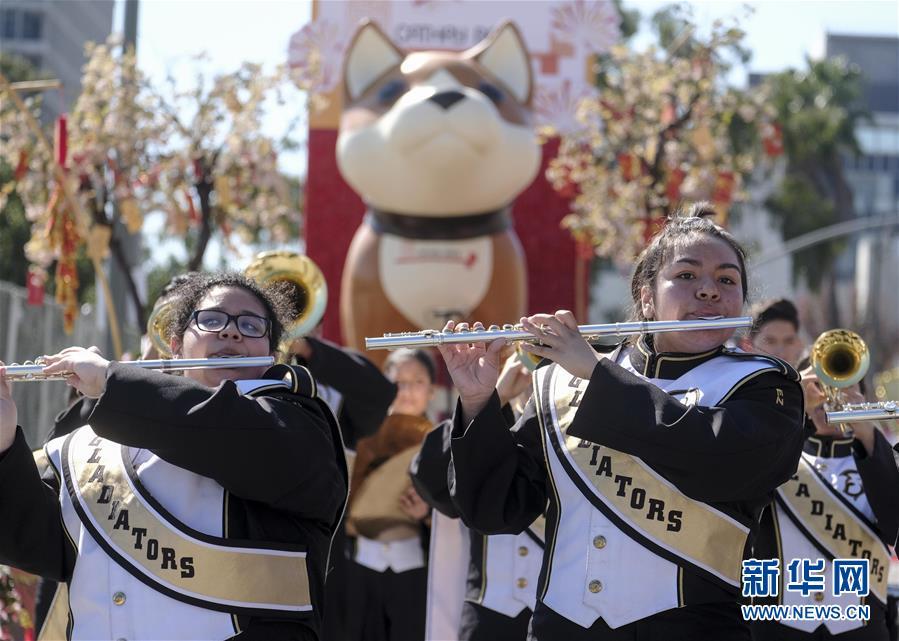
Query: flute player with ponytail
x,y
653,461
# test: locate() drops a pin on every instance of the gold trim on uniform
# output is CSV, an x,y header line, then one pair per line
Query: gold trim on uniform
x,y
660,360
692,530
55,627
41,460
242,577
549,555
538,528
780,550
38,459
483,591
834,526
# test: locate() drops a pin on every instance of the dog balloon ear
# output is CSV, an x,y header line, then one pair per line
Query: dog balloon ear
x,y
504,54
370,55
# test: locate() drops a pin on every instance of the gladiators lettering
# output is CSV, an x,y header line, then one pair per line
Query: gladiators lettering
x,y
576,399
838,530
149,546
652,508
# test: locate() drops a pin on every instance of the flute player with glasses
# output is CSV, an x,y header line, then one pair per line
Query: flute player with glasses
x,y
195,506
652,461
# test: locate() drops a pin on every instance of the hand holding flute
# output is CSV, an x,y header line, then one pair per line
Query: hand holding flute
x,y
86,369
86,372
475,367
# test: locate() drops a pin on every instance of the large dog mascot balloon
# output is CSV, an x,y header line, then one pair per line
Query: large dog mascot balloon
x,y
438,144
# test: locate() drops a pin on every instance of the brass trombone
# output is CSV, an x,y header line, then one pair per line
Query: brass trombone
x,y
308,282
840,359
157,327
33,371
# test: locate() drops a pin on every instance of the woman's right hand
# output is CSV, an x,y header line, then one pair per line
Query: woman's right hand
x,y
9,416
474,368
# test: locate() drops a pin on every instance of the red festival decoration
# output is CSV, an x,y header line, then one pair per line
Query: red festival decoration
x,y
61,148
34,282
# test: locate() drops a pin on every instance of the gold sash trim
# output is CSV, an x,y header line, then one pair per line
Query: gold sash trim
x,y
207,571
538,529
813,505
690,530
55,627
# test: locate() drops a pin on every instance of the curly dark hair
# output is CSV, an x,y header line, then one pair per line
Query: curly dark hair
x,y
695,220
177,282
172,288
274,300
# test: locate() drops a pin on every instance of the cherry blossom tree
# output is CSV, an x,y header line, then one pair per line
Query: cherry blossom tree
x,y
17,591
218,169
197,154
665,128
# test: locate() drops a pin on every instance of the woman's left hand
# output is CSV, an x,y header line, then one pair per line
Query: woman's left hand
x,y
87,367
513,380
561,342
413,505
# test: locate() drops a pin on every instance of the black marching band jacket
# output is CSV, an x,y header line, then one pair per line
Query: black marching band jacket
x,y
183,512
841,503
353,387
503,569
653,474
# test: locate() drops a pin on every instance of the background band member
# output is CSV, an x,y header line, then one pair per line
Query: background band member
x,y
854,479
775,331
656,459
390,519
359,395
190,507
356,390
502,570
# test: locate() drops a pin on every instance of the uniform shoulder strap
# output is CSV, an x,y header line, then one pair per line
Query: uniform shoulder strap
x,y
297,377
785,368
291,379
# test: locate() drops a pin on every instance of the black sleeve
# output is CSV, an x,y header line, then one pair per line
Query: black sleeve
x,y
498,475
366,391
273,449
430,469
880,478
72,417
31,534
741,449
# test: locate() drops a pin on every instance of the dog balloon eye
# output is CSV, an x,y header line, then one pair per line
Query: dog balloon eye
x,y
491,91
391,91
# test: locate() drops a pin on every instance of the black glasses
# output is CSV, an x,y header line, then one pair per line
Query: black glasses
x,y
214,320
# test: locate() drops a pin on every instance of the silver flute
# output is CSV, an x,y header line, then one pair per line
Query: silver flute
x,y
34,371
434,338
856,412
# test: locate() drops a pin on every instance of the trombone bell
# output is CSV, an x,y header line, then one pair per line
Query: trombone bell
x,y
308,282
840,358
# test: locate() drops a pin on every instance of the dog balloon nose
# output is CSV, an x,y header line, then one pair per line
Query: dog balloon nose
x,y
447,99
